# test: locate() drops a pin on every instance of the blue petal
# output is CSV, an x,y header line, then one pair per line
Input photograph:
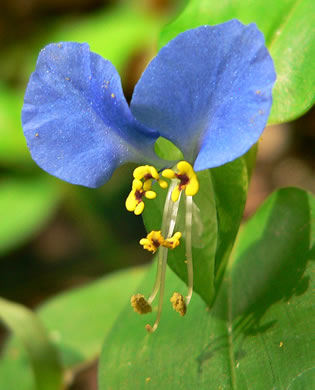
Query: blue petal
x,y
209,92
76,120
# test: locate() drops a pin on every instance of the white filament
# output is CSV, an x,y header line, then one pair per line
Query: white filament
x,y
168,224
188,225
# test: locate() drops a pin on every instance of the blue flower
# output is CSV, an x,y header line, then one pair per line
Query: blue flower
x,y
208,91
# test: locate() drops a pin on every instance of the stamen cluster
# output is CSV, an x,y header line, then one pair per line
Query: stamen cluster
x,y
155,239
164,239
141,187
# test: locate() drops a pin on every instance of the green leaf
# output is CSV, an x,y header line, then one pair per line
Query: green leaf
x,y
288,29
230,185
26,326
167,150
25,205
93,309
256,336
77,321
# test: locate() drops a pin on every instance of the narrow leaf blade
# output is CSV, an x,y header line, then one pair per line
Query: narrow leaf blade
x,y
43,355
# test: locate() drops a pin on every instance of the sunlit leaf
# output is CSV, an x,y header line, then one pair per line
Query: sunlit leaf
x,y
257,335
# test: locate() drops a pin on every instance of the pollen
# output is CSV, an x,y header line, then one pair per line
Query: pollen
x,y
140,304
155,239
178,303
187,180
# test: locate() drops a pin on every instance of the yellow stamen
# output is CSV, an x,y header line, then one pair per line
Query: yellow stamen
x,y
147,173
178,303
134,201
173,242
147,185
163,183
140,304
150,194
188,180
139,208
169,173
141,187
155,239
152,241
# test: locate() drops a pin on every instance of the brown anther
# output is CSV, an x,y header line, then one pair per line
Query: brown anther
x,y
178,303
140,304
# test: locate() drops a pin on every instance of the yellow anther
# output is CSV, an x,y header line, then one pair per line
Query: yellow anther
x,y
155,239
147,185
139,208
152,241
134,200
188,180
178,303
131,202
173,242
154,173
147,173
137,184
175,194
140,189
169,173
163,183
192,187
150,194
140,304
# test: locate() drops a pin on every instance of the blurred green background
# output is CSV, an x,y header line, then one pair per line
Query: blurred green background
x,y
53,235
